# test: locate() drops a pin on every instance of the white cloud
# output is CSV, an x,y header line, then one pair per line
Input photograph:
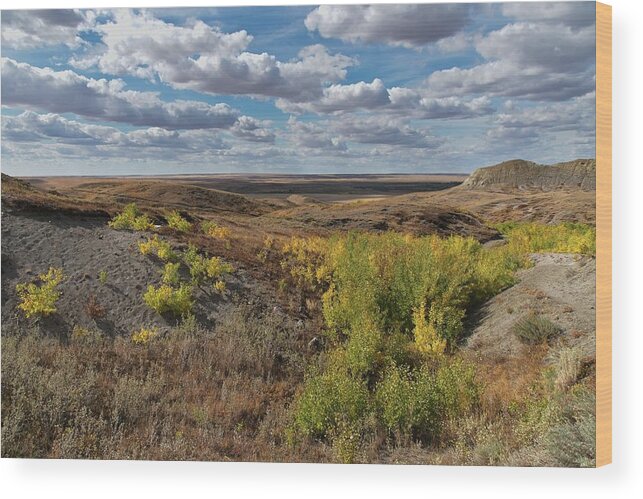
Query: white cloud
x,y
403,102
413,104
544,55
339,133
253,130
550,48
29,29
406,25
546,133
342,98
140,44
202,58
30,126
60,92
578,116
384,131
530,61
576,14
312,136
456,43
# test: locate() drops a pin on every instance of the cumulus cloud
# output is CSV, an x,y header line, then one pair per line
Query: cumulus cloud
x,y
531,61
578,116
337,134
30,126
68,92
312,136
537,66
413,104
550,48
550,132
342,98
405,25
402,101
141,45
253,130
577,14
28,29
383,131
202,58
456,43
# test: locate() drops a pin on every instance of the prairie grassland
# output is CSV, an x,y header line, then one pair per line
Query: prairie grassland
x,y
366,366
192,394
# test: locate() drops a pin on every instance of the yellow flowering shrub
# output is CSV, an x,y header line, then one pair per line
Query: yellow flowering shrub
x,y
144,335
167,299
214,230
155,246
40,299
177,222
131,218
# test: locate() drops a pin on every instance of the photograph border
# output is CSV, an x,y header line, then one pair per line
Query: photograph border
x,y
603,234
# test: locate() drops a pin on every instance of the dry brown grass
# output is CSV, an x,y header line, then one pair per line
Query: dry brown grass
x,y
508,379
18,194
93,308
197,395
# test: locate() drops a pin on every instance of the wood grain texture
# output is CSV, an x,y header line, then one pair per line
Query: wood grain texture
x,y
603,234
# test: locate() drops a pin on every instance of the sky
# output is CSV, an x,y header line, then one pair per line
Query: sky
x,y
399,88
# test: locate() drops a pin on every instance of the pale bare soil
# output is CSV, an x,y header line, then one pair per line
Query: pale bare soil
x,y
85,246
561,287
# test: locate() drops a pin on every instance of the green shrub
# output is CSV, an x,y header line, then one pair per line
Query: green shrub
x,y
267,248
40,300
167,299
131,218
416,403
388,277
346,441
102,277
144,335
171,273
561,238
556,428
400,301
158,247
177,222
458,390
303,258
364,349
388,297
213,229
427,339
395,400
329,398
204,269
534,329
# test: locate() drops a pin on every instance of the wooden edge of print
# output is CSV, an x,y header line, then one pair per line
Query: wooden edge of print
x,y
603,234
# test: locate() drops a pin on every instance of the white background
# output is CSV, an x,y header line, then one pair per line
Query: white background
x,y
624,478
